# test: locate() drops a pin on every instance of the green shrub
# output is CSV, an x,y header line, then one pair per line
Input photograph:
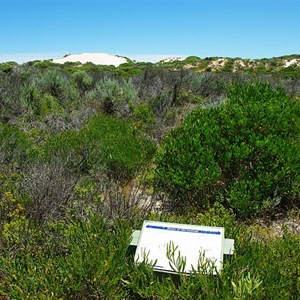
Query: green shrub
x,y
228,66
113,97
29,98
143,117
48,104
83,80
123,149
128,70
105,142
8,66
244,153
10,206
292,72
38,103
192,60
15,146
42,64
55,83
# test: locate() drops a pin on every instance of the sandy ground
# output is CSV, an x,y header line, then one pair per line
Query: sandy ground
x,y
292,62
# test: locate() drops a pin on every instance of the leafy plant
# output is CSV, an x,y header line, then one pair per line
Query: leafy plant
x,y
246,287
82,79
92,264
243,153
15,146
55,83
177,262
143,117
105,143
113,97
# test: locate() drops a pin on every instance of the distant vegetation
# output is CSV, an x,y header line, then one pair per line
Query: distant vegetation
x,y
285,66
88,152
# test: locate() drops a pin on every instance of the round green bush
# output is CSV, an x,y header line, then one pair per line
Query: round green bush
x,y
244,153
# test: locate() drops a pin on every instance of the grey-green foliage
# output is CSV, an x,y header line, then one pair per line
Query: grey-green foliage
x,y
37,102
48,91
82,80
52,82
10,89
56,83
113,97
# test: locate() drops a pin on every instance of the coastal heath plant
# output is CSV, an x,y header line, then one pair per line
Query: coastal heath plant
x,y
104,143
57,84
15,146
113,97
37,103
83,80
246,288
88,264
243,153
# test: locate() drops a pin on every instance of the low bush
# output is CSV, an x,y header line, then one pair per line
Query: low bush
x,y
83,81
49,188
48,91
244,153
143,117
38,103
113,97
15,146
105,142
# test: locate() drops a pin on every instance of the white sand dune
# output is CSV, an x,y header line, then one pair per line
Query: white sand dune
x,y
95,58
292,62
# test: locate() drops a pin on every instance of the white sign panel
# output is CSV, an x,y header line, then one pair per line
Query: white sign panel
x,y
190,240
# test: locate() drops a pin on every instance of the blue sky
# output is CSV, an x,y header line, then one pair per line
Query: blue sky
x,y
149,28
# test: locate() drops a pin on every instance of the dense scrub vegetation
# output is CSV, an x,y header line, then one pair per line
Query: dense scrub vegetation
x,y
243,153
87,152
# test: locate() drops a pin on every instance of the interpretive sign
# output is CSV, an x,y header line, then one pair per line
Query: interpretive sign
x,y
195,244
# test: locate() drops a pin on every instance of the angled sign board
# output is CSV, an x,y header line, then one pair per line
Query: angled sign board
x,y
195,244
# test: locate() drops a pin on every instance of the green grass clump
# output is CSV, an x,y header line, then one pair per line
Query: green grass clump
x,y
89,259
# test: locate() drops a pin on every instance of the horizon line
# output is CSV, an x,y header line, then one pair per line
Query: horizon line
x,y
24,57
